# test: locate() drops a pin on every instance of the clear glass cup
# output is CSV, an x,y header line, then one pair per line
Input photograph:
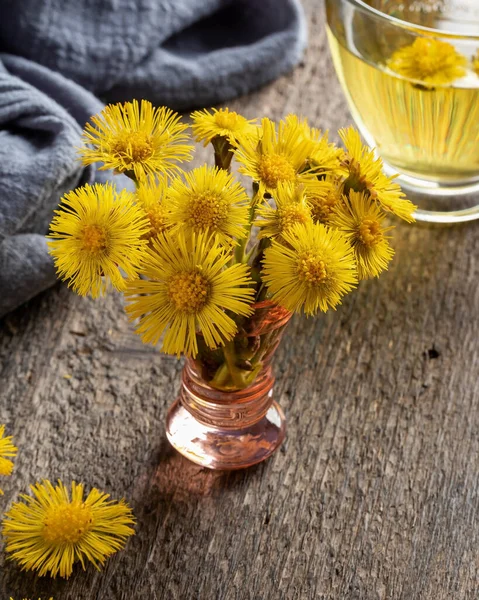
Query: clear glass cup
x,y
410,73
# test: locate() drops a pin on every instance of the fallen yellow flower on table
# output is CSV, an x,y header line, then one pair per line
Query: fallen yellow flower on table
x,y
7,451
51,530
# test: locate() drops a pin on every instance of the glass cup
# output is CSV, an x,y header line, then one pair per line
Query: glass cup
x,y
410,73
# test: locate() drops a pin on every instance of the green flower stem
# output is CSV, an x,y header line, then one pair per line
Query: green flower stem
x,y
131,175
221,378
223,152
230,359
263,293
256,256
240,250
228,375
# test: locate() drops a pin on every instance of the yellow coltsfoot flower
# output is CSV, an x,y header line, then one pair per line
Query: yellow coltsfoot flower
x,y
95,235
189,288
364,173
311,270
475,63
323,197
7,451
210,200
150,195
429,62
136,139
290,208
362,223
279,156
221,123
324,156
51,530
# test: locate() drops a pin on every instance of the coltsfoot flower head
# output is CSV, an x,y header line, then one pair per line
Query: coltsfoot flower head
x,y
475,63
364,173
136,139
362,223
429,61
7,451
324,196
210,200
290,208
221,122
189,288
51,530
97,233
324,156
311,269
280,156
150,195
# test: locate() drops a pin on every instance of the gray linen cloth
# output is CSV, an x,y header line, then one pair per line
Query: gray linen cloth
x,y
58,58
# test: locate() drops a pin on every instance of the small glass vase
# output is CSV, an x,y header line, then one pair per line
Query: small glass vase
x,y
225,416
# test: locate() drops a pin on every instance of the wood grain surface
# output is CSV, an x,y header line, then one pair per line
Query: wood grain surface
x,y
374,495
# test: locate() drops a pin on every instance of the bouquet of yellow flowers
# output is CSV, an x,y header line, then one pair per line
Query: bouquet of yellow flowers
x,y
194,252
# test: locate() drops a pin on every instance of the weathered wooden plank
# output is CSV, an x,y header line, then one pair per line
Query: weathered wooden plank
x,y
373,497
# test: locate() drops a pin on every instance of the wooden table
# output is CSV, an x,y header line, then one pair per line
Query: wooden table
x,y
374,496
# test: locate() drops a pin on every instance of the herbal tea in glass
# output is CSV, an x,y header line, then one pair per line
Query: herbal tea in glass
x,y
410,72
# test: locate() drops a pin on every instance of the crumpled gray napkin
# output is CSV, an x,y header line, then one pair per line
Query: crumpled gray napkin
x,y
58,57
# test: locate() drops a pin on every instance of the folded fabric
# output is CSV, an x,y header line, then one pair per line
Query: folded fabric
x,y
38,164
58,58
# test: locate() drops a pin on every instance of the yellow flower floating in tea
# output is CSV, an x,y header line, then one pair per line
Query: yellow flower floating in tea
x,y
196,252
429,61
136,139
475,63
57,527
7,451
96,236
